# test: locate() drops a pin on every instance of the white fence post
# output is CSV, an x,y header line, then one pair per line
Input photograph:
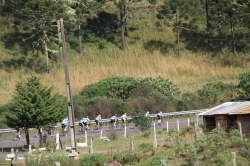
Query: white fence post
x,y
155,140
167,126
86,137
101,134
125,131
188,122
57,140
178,127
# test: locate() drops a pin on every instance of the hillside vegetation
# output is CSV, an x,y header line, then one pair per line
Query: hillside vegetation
x,y
151,51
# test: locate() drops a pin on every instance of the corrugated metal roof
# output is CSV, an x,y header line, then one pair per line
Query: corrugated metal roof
x,y
245,110
227,108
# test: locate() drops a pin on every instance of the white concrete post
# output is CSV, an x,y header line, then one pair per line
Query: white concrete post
x,y
188,122
86,137
30,149
125,132
234,158
101,134
178,127
57,141
155,140
197,120
132,143
91,145
167,126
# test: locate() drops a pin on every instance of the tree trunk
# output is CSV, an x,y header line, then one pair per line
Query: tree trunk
x,y
122,26
3,2
178,42
233,44
79,40
208,25
46,52
178,35
40,137
27,136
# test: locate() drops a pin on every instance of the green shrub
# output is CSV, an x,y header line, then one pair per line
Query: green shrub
x,y
92,160
145,147
155,160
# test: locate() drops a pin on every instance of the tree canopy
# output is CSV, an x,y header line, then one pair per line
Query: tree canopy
x,y
34,106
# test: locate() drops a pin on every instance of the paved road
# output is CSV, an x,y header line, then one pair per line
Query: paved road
x,y
9,142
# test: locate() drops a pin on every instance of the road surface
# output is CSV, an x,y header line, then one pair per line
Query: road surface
x,y
9,142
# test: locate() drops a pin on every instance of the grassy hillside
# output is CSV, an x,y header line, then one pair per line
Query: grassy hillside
x,y
141,59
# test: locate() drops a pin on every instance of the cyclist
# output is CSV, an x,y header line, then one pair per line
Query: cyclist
x,y
159,117
18,132
147,115
113,120
86,123
98,119
65,124
81,124
124,119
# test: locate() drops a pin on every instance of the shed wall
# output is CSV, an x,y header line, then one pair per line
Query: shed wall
x,y
245,123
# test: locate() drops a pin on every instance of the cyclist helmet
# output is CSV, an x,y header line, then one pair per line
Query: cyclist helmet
x,y
87,116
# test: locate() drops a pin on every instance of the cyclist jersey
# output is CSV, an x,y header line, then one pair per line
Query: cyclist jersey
x,y
81,121
114,117
98,118
124,117
65,122
159,115
86,120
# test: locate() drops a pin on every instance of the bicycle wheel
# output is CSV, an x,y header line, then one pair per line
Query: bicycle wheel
x,y
14,137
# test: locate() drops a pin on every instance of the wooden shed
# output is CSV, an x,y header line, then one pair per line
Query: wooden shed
x,y
228,115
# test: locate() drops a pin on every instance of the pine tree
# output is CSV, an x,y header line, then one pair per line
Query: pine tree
x,y
179,14
34,106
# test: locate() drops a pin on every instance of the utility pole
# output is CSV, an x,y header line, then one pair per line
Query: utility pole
x,y
45,39
73,152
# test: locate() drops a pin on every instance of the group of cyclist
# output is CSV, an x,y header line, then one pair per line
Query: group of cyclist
x,y
84,122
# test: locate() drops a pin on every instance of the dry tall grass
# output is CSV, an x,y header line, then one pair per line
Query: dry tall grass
x,y
189,72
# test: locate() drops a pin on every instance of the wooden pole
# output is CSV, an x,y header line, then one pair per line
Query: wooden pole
x,y
73,153
240,130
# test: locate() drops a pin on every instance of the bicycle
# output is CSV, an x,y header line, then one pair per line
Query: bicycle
x,y
160,124
114,125
83,129
16,137
64,130
95,128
